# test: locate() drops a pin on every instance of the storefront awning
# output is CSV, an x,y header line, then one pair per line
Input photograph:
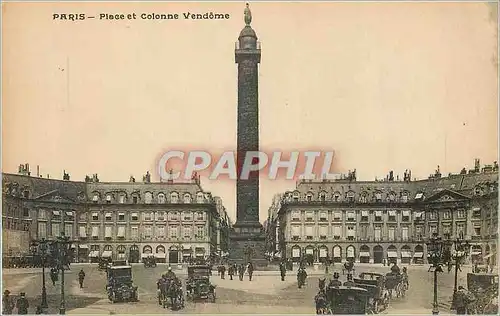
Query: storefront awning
x,y
364,254
392,254
83,246
145,255
405,254
418,255
94,253
160,255
107,254
476,252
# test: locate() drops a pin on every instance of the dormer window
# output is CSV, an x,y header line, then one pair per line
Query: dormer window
x,y
187,198
350,196
108,198
148,197
122,199
478,190
174,197
322,196
135,199
336,196
296,196
404,197
161,198
200,198
95,198
378,196
26,194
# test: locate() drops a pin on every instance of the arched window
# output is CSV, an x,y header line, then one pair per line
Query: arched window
x,y
187,198
160,249
147,249
309,197
336,196
296,196
95,197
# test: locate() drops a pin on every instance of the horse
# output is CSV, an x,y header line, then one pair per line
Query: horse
x,y
321,303
173,293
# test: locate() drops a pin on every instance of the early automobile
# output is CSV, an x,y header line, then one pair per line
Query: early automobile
x,y
120,286
484,289
347,300
374,283
395,284
149,262
198,286
119,263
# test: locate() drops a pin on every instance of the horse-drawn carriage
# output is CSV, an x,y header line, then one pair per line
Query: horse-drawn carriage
x,y
170,293
374,284
344,300
484,288
198,284
396,284
120,286
149,262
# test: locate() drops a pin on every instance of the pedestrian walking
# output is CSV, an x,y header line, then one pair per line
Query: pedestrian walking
x,y
22,304
241,271
7,303
81,277
250,271
282,270
222,272
230,271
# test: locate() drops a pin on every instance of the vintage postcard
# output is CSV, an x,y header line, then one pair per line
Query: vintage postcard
x,y
258,157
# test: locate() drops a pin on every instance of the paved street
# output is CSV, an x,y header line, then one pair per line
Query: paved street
x,y
265,294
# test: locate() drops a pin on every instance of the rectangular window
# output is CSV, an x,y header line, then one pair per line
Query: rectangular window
x,y
160,216
83,231
160,232
337,232
56,229
200,232
392,216
134,232
406,216
461,214
173,216
26,212
95,232
295,216
433,215
323,232
432,230
134,217
378,216
42,214
121,217
295,231
461,230
351,232
309,232
323,216
173,231
68,230
404,233
392,233
187,232
200,216
446,215
187,216
351,216
121,199
446,230
378,233
108,232
476,212
419,232
146,216
95,216
364,232
364,216
121,232
148,232
109,217
42,230
337,216
309,216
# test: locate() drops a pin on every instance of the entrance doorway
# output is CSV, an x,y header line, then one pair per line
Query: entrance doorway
x,y
378,254
134,254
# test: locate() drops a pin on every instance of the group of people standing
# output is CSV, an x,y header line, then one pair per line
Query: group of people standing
x,y
21,304
234,269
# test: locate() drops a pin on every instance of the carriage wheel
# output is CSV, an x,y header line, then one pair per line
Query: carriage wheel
x,y
375,307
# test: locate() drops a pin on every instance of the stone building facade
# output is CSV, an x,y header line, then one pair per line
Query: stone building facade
x,y
121,220
373,221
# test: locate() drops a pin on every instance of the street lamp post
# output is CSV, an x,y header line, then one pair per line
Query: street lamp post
x,y
42,246
435,249
461,248
63,243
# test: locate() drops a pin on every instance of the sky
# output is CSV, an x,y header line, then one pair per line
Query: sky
x,y
388,86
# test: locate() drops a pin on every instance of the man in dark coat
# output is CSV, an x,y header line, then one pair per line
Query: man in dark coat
x,y
222,272
282,270
250,271
54,275
241,271
22,304
81,277
7,303
230,271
